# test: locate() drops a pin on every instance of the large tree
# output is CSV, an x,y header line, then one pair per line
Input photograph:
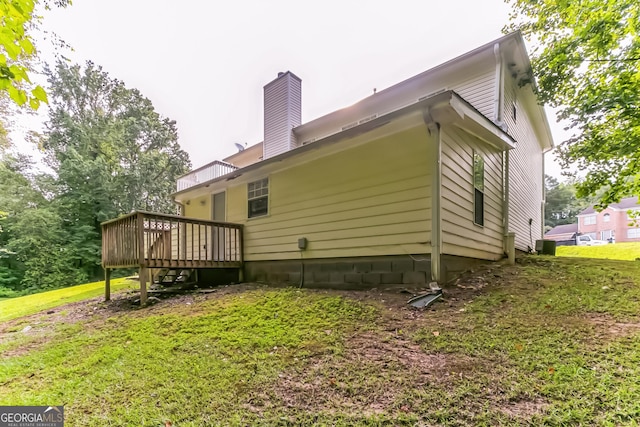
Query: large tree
x,y
561,204
33,244
111,153
586,58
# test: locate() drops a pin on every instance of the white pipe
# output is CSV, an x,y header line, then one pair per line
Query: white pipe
x,y
433,129
499,107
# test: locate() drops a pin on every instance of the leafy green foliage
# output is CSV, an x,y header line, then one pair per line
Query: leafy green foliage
x,y
18,19
561,204
112,153
16,195
41,246
105,137
588,65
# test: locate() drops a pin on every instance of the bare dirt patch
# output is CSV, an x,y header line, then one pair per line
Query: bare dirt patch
x,y
608,328
370,377
524,409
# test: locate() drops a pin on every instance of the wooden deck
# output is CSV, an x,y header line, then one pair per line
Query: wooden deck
x,y
149,240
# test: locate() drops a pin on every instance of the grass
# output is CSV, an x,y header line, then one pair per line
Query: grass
x,y
629,251
551,341
22,306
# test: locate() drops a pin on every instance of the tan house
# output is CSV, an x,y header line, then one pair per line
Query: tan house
x,y
617,222
405,186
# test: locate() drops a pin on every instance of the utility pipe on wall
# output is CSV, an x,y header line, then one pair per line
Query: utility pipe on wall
x,y
498,114
433,130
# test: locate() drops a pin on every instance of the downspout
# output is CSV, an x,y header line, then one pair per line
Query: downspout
x,y
498,102
499,120
544,198
435,153
180,205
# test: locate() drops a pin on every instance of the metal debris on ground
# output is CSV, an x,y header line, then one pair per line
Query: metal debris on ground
x,y
425,300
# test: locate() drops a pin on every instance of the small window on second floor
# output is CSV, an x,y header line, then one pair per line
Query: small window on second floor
x,y
606,217
589,220
258,198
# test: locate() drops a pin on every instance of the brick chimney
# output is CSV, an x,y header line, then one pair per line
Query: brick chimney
x,y
282,112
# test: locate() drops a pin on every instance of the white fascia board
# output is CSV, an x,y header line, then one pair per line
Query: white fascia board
x,y
472,121
444,108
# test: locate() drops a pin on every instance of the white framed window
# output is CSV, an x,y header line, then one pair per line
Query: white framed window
x,y
478,189
606,217
633,233
258,198
589,220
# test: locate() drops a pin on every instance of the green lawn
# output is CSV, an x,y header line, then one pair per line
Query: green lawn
x,y
550,341
624,251
29,304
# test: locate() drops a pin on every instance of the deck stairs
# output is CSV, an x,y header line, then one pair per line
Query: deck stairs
x,y
171,277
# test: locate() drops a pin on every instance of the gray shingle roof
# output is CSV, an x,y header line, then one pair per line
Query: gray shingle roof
x,y
563,229
624,204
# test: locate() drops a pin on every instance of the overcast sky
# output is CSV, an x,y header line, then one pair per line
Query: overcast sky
x,y
204,63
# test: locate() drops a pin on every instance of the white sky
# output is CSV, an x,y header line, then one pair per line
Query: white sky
x,y
204,63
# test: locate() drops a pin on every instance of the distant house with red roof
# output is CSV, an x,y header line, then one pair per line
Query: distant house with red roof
x,y
614,222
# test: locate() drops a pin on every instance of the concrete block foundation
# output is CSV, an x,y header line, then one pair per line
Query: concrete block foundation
x,y
357,272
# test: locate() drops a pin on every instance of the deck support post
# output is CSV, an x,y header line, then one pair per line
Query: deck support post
x,y
107,284
144,276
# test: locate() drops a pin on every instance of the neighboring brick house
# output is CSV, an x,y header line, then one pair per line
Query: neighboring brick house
x,y
613,222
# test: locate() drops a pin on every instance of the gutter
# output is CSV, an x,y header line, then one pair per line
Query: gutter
x,y
433,104
443,107
441,68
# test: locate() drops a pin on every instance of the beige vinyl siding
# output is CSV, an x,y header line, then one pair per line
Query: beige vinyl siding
x,y
198,207
202,242
370,200
475,82
460,236
525,172
188,243
479,91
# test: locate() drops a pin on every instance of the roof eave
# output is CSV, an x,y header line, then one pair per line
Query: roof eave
x,y
446,107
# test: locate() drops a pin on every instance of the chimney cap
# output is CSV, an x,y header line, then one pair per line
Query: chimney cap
x,y
281,75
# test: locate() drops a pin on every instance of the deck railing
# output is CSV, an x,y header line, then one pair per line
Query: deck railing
x,y
150,240
205,173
